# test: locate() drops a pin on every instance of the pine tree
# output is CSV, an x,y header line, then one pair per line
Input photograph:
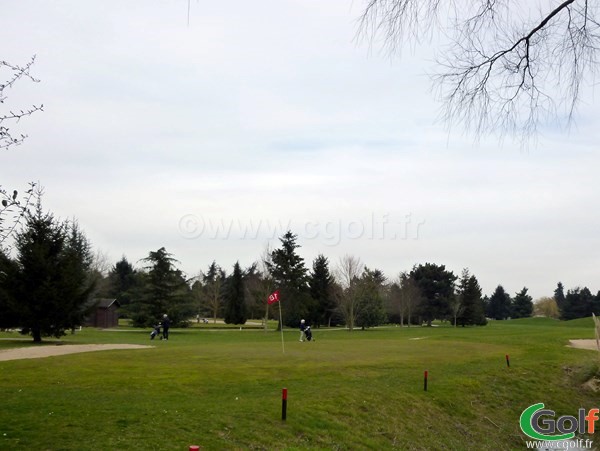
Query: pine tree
x,y
522,305
320,283
499,304
235,301
51,283
578,304
559,296
8,272
122,278
473,307
436,286
289,274
164,291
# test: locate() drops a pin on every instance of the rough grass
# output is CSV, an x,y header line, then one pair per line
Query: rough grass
x,y
362,390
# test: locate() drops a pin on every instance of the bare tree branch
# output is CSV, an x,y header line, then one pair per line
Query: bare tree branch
x,y
504,69
17,72
13,210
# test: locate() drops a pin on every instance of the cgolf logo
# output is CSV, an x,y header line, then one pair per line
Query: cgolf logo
x,y
539,423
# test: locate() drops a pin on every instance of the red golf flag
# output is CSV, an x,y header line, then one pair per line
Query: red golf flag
x,y
273,297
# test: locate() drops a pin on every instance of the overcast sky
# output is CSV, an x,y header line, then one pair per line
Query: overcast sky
x,y
212,139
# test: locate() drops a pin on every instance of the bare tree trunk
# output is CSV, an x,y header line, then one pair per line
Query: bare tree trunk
x,y
348,270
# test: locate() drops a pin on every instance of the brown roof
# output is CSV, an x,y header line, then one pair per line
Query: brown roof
x,y
106,302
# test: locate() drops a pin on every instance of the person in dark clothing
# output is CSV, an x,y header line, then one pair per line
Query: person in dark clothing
x,y
302,328
165,327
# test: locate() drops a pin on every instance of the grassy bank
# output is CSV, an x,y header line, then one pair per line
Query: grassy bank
x,y
363,390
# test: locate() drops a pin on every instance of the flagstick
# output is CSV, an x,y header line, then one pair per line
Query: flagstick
x,y
281,327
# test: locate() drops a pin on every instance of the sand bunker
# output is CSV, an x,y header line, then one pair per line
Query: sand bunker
x,y
36,352
584,344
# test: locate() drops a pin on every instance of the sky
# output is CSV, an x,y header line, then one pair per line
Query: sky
x,y
213,138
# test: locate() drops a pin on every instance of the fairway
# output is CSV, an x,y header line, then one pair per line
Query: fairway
x,y
221,389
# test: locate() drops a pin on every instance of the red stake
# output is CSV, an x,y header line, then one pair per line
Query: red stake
x,y
284,404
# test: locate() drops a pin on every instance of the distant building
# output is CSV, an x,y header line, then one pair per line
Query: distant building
x,y
104,314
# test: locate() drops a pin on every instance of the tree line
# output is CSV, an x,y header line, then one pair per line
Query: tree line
x,y
50,284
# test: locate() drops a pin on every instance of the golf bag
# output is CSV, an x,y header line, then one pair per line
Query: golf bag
x,y
308,333
155,332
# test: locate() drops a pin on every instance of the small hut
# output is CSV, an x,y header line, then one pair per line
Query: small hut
x,y
104,314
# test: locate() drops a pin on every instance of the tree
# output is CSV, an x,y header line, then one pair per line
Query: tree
x,y
370,309
410,297
405,297
578,304
253,291
198,299
320,283
522,305
50,284
290,277
122,279
472,304
235,301
15,74
213,281
347,275
164,291
12,211
260,285
559,296
499,304
456,308
8,274
267,285
546,307
436,286
508,65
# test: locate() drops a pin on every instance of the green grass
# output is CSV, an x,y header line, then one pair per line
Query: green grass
x,y
221,389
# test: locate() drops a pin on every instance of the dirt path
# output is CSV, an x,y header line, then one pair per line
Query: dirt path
x,y
36,352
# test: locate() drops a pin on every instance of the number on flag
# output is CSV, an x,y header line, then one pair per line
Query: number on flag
x,y
274,297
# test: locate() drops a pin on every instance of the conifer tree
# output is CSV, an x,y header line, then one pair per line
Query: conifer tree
x,y
559,296
522,305
164,291
320,283
51,281
469,293
436,286
578,304
235,300
289,274
122,278
499,304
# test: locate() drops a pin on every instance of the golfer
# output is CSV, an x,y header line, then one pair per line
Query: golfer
x,y
165,326
302,329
